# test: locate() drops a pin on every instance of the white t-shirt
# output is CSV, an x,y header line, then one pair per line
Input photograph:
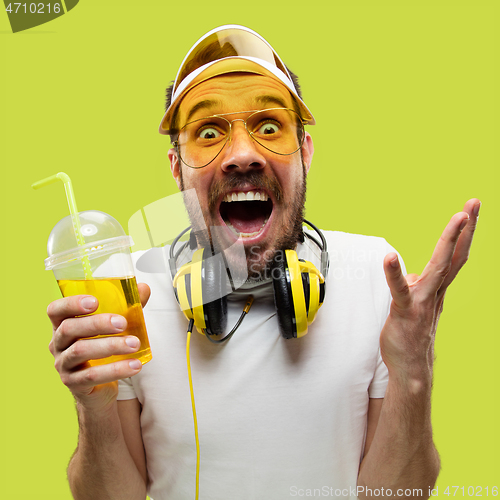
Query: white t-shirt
x,y
276,417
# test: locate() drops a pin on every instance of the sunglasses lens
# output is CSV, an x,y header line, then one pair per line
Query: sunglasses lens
x,y
279,130
202,140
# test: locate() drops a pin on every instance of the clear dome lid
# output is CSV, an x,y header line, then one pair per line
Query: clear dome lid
x,y
102,235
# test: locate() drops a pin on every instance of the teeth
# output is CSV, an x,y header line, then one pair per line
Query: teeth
x,y
246,235
249,196
230,226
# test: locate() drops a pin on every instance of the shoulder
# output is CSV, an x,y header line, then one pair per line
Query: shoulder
x,y
150,261
356,278
350,248
151,267
358,252
347,250
337,240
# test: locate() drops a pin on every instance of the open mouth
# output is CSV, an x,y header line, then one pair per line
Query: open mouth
x,y
246,214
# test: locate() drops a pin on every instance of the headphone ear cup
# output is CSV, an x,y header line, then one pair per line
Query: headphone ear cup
x,y
283,297
214,286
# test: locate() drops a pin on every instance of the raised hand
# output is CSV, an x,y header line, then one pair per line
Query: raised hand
x,y
93,386
407,339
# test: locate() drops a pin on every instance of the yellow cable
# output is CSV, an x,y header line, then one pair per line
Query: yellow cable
x,y
194,415
247,307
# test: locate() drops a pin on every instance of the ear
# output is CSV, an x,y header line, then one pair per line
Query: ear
x,y
175,166
307,151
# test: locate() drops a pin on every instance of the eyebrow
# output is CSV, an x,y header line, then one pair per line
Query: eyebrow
x,y
206,104
271,99
214,103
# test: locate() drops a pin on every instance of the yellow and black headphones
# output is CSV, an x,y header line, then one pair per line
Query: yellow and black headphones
x,y
201,287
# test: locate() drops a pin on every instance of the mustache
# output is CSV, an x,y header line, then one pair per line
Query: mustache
x,y
256,179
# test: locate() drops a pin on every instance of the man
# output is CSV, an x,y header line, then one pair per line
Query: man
x,y
344,411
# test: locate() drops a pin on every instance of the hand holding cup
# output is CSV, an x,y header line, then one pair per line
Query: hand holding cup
x,y
73,348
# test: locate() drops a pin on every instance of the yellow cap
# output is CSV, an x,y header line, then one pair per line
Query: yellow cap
x,y
229,49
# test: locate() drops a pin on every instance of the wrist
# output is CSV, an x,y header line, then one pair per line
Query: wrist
x,y
408,399
101,400
415,380
96,411
103,421
410,371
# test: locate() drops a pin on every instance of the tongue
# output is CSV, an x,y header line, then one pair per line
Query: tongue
x,y
246,218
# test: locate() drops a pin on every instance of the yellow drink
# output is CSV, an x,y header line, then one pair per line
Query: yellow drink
x,y
117,296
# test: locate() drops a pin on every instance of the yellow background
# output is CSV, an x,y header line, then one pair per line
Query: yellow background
x,y
405,95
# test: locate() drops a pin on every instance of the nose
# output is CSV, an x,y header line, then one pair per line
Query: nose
x,y
241,153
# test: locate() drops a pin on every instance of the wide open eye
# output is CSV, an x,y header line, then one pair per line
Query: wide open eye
x,y
268,128
208,133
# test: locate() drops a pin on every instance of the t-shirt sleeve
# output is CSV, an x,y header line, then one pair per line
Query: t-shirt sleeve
x,y
125,389
380,379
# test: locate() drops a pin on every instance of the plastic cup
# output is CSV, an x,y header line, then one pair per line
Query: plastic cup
x,y
106,250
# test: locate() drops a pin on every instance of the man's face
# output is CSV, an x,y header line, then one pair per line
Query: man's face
x,y
243,169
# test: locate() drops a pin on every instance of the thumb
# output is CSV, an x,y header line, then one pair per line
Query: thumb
x,y
144,293
397,283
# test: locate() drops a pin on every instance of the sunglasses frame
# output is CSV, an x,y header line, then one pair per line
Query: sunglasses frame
x,y
252,112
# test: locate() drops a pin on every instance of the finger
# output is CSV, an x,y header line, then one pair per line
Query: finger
x,y
464,243
398,285
86,349
69,307
87,378
144,293
440,264
73,329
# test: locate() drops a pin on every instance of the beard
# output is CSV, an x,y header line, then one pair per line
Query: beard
x,y
259,258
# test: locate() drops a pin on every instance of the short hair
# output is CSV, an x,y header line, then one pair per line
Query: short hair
x,y
170,89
